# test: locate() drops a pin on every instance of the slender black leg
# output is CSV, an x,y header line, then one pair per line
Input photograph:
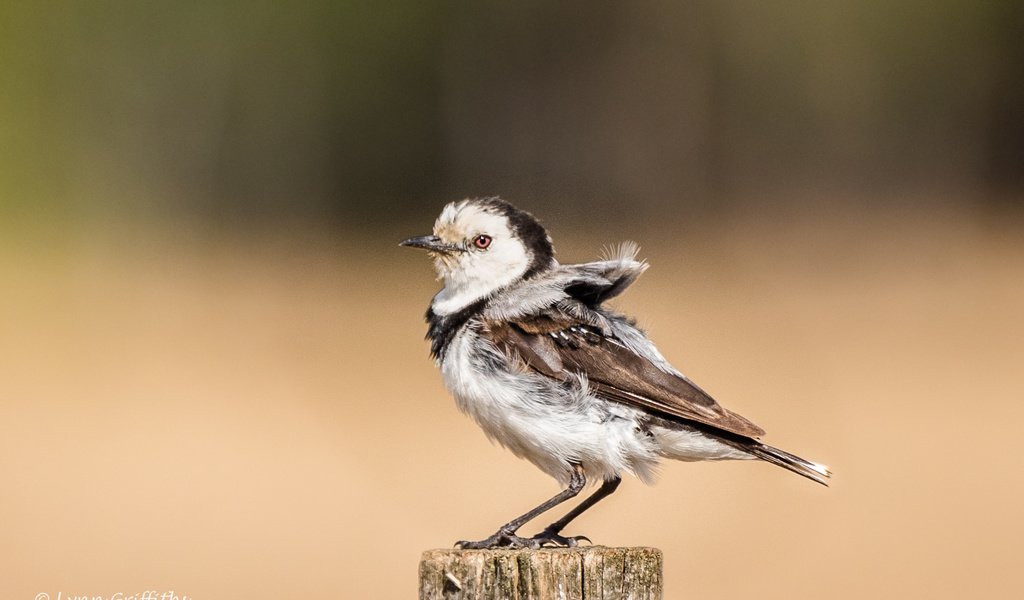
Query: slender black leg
x,y
552,531
506,534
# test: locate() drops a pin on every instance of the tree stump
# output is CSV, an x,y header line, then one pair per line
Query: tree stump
x,y
590,573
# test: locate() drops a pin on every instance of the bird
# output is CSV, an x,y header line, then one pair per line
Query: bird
x,y
530,351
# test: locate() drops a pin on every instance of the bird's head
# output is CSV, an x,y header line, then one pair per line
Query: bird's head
x,y
481,245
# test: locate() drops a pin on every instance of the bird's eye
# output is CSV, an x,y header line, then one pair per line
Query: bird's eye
x,y
482,241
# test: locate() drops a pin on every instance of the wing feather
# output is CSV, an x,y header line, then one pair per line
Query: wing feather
x,y
560,347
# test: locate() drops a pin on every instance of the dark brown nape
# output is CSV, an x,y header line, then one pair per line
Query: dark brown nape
x,y
528,229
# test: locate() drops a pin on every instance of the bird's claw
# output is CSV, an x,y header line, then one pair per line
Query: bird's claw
x,y
508,539
550,539
501,539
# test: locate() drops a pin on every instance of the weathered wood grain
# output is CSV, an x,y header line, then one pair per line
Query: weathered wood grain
x,y
589,573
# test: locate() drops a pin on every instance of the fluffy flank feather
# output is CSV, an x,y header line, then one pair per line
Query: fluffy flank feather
x,y
622,252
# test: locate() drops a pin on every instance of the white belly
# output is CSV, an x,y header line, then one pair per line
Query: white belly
x,y
551,424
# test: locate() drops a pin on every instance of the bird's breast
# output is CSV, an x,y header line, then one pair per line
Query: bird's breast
x,y
484,384
549,423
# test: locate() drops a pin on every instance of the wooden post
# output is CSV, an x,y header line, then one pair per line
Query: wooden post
x,y
582,573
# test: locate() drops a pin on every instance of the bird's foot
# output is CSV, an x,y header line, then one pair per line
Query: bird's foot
x,y
501,539
551,539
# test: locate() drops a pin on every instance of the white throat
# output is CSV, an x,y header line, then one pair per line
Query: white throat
x,y
464,287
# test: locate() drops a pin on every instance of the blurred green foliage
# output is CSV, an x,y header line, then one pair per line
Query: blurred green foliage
x,y
336,110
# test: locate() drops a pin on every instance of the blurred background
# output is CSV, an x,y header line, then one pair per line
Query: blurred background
x,y
212,372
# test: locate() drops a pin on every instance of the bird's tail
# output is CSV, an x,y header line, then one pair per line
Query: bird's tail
x,y
790,462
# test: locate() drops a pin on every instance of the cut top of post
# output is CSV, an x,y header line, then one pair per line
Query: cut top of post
x,y
587,573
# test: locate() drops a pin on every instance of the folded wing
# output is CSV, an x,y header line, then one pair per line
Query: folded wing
x,y
563,347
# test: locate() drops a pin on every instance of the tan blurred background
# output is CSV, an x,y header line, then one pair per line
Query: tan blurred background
x,y
212,372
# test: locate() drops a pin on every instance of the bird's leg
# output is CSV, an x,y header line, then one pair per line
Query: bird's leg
x,y
506,534
550,535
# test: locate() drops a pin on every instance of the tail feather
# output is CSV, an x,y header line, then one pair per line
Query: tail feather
x,y
791,462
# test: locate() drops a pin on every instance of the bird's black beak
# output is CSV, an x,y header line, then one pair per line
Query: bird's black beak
x,y
429,242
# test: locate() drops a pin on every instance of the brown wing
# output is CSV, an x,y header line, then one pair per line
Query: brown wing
x,y
561,349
